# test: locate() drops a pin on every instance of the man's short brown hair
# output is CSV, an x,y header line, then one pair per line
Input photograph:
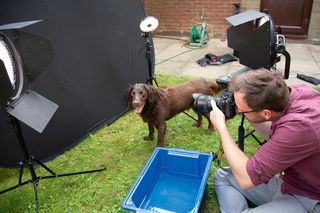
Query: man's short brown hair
x,y
263,89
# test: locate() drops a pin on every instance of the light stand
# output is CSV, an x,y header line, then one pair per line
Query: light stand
x,y
257,44
30,160
151,76
148,25
45,110
242,135
27,106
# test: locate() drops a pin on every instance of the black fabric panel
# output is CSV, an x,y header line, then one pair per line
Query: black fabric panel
x,y
97,51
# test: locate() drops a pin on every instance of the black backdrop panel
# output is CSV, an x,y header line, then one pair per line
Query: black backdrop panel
x,y
97,52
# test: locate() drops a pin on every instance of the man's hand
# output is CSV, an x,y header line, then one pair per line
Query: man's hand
x,y
217,117
236,158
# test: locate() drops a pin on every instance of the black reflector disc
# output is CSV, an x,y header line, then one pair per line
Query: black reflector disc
x,y
97,52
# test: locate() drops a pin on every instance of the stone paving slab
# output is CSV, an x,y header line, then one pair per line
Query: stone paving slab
x,y
173,57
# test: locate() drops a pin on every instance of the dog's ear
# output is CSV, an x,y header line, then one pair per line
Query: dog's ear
x,y
152,93
127,97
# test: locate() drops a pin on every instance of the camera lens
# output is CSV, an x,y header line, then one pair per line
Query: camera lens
x,y
202,102
225,102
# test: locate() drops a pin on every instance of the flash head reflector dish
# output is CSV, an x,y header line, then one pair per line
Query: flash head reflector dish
x,y
6,57
149,24
13,64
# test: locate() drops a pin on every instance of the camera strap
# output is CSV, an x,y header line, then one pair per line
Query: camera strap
x,y
241,134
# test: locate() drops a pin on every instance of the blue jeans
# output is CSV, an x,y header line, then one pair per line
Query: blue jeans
x,y
267,197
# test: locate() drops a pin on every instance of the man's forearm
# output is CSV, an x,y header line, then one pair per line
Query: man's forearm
x,y
237,160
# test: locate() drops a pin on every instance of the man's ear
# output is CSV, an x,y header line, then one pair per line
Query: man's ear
x,y
267,114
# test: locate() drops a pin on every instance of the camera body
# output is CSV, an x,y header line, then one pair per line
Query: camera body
x,y
225,102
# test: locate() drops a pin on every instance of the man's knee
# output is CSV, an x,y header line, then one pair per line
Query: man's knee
x,y
221,177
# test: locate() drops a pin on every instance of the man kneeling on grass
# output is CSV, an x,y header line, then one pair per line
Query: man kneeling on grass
x,y
284,174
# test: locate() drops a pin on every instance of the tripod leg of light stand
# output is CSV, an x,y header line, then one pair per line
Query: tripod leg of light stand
x,y
242,136
42,165
28,161
62,175
74,173
251,133
14,187
34,178
35,189
21,172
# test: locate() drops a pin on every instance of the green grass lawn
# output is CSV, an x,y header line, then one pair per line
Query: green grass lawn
x,y
120,148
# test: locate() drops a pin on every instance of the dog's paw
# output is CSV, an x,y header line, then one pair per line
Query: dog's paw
x,y
197,124
148,138
209,131
160,143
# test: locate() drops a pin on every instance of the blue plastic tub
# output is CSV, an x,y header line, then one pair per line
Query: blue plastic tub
x,y
173,180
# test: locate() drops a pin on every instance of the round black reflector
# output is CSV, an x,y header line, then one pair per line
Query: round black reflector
x,y
97,52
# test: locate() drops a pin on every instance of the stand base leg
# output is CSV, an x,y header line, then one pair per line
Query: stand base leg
x,y
255,137
35,179
35,189
47,177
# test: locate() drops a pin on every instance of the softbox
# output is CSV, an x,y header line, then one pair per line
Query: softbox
x,y
255,41
96,51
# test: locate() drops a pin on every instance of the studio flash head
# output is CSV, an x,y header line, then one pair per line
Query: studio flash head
x,y
10,70
149,24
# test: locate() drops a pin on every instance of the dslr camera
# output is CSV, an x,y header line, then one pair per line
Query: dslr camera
x,y
225,102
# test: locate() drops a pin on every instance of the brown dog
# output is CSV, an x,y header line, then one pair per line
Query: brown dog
x,y
156,105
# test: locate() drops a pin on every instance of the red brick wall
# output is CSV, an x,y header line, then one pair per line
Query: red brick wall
x,y
177,16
